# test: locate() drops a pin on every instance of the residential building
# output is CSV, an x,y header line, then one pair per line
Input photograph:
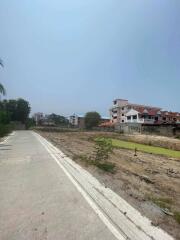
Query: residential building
x,y
77,120
38,117
104,119
124,112
170,117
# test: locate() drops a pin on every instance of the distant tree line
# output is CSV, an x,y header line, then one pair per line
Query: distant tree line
x,y
58,119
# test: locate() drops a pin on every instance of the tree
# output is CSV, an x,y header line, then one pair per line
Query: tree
x,y
17,110
92,119
58,119
22,111
11,107
4,117
1,63
2,89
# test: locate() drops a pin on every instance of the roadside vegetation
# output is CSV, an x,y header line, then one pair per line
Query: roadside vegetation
x,y
142,147
12,112
100,156
166,205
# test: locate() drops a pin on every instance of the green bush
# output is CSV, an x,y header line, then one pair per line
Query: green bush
x,y
5,129
103,149
4,117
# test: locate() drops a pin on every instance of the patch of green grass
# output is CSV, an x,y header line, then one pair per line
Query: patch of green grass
x,y
84,159
162,202
177,216
107,166
144,148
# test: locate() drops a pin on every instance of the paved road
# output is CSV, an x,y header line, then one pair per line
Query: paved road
x,y
37,200
45,195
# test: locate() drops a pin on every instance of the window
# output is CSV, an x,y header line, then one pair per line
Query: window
x,y
115,117
115,102
122,120
123,114
122,108
134,116
128,117
164,118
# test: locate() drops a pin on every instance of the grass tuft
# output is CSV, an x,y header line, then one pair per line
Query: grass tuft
x,y
107,167
162,202
177,216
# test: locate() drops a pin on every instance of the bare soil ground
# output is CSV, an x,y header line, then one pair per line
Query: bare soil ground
x,y
149,182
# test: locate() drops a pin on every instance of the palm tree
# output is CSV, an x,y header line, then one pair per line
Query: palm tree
x,y
2,89
1,63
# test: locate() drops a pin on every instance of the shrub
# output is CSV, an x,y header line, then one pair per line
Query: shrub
x,y
103,149
5,129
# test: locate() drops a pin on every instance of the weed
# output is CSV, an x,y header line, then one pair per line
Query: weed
x,y
162,202
177,216
103,149
107,167
100,156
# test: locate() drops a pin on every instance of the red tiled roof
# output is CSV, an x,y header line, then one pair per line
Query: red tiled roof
x,y
151,111
170,114
143,106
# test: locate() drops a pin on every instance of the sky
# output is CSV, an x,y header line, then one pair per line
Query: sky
x,y
74,56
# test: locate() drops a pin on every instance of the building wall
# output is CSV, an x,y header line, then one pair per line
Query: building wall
x,y
134,128
118,110
73,120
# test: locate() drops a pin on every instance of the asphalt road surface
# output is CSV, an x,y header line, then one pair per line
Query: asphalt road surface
x,y
44,195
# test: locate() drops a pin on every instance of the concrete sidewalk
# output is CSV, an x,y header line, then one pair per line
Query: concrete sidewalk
x,y
37,200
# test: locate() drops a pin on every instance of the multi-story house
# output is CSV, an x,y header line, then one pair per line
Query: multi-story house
x,y
124,112
170,117
38,117
77,121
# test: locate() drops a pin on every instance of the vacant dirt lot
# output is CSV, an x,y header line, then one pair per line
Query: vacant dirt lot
x,y
151,183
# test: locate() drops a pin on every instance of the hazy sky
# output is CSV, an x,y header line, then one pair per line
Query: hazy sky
x,y
72,56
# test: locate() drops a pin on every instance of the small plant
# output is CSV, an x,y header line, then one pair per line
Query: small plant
x,y
162,202
177,216
103,149
101,154
107,167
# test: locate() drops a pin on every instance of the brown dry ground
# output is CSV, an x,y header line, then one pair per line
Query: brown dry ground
x,y
129,181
